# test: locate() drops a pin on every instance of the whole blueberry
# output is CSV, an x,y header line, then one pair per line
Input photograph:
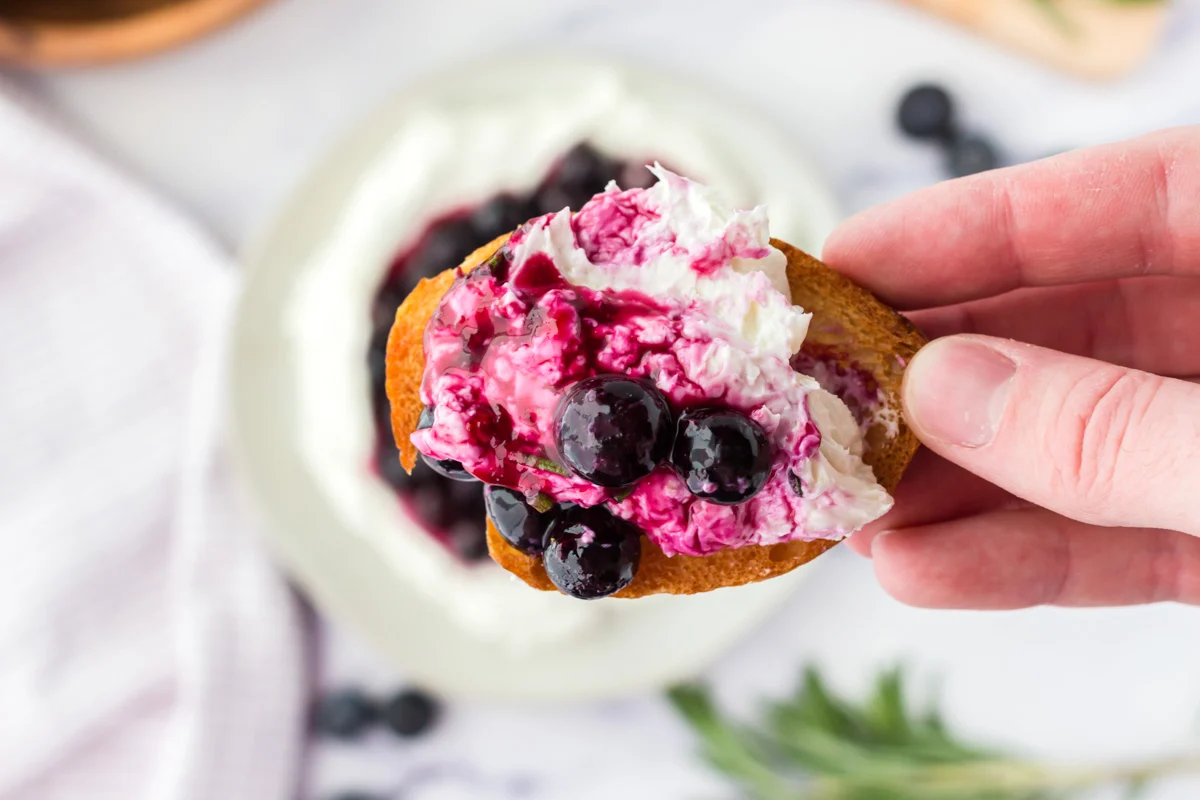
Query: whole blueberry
x,y
590,553
970,155
613,430
722,455
520,524
344,714
410,713
926,112
447,468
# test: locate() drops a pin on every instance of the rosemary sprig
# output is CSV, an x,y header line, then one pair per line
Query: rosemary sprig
x,y
818,746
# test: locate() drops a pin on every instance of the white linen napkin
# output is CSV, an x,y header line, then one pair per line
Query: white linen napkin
x,y
147,648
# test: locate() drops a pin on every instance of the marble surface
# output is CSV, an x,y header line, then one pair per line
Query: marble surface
x,y
226,127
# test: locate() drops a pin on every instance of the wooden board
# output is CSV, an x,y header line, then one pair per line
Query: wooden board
x,y
1098,39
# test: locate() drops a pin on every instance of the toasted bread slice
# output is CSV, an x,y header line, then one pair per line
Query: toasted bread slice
x,y
849,325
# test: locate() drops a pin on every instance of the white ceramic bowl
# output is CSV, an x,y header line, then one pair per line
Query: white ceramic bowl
x,y
300,410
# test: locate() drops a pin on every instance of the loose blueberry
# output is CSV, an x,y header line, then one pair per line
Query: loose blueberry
x,y
722,455
447,468
344,714
410,713
520,524
926,112
590,553
613,431
969,155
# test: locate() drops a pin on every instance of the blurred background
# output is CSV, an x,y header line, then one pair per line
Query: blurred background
x,y
214,582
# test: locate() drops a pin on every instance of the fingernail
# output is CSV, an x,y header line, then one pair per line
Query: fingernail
x,y
956,390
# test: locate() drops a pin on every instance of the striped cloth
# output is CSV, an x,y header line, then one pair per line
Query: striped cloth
x,y
147,649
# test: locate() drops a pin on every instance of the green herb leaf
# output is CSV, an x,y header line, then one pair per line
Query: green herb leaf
x,y
817,745
540,462
542,502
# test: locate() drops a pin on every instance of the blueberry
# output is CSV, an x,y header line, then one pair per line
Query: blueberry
x,y
447,468
926,112
590,553
446,244
722,455
969,155
499,215
344,714
519,523
410,713
612,430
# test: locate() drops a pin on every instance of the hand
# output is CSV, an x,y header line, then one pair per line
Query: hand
x,y
1060,403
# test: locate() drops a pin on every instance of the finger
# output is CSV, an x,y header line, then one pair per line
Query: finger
x,y
1105,212
1145,323
1092,441
1017,559
933,490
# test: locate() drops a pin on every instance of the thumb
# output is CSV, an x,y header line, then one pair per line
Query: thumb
x,y
1092,441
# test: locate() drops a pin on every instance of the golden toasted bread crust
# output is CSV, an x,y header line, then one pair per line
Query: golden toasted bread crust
x,y
848,321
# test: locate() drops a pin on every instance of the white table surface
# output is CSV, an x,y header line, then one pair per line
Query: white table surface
x,y
226,127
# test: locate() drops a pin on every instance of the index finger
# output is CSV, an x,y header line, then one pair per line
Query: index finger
x,y
1111,211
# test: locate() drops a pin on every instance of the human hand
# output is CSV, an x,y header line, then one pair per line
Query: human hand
x,y
1061,406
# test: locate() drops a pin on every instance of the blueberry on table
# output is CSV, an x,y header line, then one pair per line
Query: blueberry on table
x,y
722,455
344,714
970,155
446,467
519,523
926,112
410,713
590,553
612,430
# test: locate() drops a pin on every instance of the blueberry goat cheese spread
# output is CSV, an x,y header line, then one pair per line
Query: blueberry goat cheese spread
x,y
627,370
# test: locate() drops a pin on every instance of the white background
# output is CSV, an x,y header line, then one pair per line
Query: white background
x,y
226,127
